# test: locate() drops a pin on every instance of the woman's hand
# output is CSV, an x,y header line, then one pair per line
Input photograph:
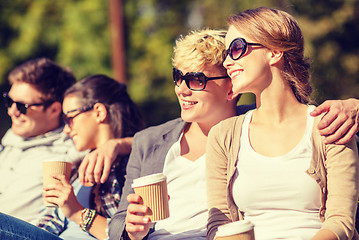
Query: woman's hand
x,y
62,194
137,225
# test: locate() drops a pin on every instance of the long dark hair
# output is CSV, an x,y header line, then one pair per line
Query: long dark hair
x,y
125,116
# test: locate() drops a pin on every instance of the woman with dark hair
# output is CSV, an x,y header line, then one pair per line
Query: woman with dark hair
x,y
96,110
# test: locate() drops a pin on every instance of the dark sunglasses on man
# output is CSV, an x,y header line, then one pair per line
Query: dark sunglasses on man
x,y
195,81
22,107
238,48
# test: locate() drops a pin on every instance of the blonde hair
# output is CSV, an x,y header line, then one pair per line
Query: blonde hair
x,y
199,49
276,29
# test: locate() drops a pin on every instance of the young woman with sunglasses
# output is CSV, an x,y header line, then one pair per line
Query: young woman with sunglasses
x,y
177,148
96,110
270,166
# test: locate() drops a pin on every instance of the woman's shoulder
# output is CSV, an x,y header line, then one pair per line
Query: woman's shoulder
x,y
231,122
226,128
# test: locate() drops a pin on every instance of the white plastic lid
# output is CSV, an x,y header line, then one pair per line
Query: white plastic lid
x,y
234,228
56,160
148,180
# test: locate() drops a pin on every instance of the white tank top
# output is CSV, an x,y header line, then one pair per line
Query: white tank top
x,y
276,193
186,184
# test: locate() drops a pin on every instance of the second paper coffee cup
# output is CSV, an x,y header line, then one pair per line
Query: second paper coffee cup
x,y
153,190
54,167
239,230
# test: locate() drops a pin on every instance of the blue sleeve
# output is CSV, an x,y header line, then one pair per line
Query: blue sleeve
x,y
242,109
53,220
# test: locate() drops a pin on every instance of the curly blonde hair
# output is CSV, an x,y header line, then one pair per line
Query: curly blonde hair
x,y
199,49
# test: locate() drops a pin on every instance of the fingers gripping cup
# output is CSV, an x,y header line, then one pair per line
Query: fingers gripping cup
x,y
239,230
153,190
51,167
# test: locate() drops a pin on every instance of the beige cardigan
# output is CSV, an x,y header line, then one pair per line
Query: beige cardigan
x,y
334,167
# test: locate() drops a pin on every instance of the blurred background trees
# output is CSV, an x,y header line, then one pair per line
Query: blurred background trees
x,y
76,33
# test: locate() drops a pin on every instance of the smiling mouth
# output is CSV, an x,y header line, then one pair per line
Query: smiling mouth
x,y
235,73
187,103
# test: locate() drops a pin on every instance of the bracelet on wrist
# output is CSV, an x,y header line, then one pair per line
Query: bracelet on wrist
x,y
87,217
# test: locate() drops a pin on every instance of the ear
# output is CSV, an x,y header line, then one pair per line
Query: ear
x,y
275,56
101,112
54,110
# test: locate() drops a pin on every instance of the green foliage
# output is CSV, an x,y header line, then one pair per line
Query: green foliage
x,y
76,33
73,33
332,35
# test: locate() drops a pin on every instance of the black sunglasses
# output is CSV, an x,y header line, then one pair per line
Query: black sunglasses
x,y
22,107
195,81
68,120
238,48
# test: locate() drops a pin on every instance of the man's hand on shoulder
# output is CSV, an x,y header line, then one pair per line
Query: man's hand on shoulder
x,y
96,166
340,122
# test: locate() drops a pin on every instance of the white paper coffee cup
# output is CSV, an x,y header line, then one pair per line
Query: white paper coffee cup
x,y
153,190
239,230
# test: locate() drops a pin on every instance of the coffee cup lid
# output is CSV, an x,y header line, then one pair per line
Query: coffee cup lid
x,y
234,228
148,180
56,160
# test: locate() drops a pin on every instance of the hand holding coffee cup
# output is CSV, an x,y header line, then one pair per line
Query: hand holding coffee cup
x,y
51,167
137,224
239,230
153,191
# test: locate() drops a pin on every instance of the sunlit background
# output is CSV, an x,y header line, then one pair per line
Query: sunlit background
x,y
77,34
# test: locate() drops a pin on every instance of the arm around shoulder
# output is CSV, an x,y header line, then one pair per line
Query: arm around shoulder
x,y
340,122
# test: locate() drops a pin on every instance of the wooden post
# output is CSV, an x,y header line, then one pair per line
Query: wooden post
x,y
117,40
